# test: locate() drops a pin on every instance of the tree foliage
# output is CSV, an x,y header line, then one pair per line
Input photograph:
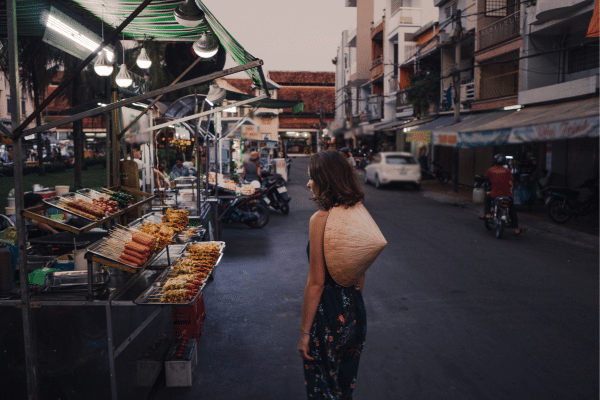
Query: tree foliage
x,y
423,89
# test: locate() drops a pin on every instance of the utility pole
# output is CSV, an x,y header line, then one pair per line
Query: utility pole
x,y
456,83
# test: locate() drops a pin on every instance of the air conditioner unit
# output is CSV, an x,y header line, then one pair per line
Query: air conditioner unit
x,y
444,37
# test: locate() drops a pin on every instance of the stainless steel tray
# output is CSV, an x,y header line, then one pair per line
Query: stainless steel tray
x,y
93,194
150,217
55,202
71,279
166,274
151,296
93,249
162,261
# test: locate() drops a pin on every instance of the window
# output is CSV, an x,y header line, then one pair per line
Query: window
x,y
395,73
583,58
450,10
496,8
399,160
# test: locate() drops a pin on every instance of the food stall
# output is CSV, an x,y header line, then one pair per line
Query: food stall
x,y
106,328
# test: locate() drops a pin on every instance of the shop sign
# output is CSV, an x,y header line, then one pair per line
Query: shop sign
x,y
250,132
445,138
576,128
407,112
374,107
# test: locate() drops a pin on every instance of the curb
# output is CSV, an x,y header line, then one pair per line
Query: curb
x,y
535,226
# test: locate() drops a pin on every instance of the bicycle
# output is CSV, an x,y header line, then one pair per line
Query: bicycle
x,y
439,173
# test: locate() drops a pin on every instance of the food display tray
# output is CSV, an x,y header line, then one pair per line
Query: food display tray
x,y
114,261
154,217
55,202
162,259
151,296
93,194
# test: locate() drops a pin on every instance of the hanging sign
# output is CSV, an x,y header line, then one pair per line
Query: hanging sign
x,y
250,132
129,114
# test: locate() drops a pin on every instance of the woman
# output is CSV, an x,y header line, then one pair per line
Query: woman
x,y
333,326
161,176
251,171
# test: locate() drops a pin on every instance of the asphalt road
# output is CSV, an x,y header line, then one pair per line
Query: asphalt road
x,y
453,313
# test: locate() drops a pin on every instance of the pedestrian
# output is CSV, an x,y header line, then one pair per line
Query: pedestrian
x,y
179,169
423,157
333,326
251,168
346,152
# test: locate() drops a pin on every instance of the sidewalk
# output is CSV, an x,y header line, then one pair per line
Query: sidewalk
x,y
581,228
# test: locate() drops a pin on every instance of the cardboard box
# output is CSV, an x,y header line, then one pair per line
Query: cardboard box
x,y
181,360
151,363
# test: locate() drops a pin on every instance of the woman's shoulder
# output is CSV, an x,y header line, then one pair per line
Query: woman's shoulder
x,y
319,216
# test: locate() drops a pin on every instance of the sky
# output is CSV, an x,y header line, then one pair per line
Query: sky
x,y
290,35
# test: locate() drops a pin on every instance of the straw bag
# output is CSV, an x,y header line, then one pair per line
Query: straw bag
x,y
352,242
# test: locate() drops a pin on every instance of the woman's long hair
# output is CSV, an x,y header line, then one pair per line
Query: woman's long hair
x,y
335,181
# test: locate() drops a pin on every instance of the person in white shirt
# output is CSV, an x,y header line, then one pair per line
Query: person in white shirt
x,y
346,152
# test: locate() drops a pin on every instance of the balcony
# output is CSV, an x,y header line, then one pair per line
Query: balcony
x,y
376,68
499,31
506,84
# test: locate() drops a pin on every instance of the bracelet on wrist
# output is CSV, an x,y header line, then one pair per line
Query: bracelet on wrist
x,y
303,332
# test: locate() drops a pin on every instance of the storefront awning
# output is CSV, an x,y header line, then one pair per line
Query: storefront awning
x,y
450,135
423,133
573,119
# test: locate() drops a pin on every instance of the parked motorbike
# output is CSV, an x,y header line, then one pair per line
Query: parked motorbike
x,y
439,173
247,210
562,203
275,194
500,208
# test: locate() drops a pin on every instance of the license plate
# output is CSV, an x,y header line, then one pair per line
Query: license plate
x,y
282,189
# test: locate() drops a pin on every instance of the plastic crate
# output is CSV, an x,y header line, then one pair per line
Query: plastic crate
x,y
187,314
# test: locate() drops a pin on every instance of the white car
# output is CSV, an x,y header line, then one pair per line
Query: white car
x,y
392,167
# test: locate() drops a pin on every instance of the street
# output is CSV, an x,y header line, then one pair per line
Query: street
x,y
453,312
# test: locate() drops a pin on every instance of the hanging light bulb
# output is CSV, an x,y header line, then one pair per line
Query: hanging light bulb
x,y
143,61
102,66
123,78
207,46
215,95
188,14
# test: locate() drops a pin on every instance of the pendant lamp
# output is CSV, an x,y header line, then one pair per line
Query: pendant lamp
x,y
143,61
102,66
188,14
207,46
123,78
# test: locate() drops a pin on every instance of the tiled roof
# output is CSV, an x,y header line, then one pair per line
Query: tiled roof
x,y
243,85
302,78
311,96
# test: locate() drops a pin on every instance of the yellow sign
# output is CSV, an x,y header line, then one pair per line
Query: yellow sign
x,y
250,132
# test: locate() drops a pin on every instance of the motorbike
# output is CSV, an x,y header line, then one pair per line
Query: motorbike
x,y
363,159
247,210
562,203
439,173
275,194
500,209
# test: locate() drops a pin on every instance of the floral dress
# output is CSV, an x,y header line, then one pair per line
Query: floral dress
x,y
337,338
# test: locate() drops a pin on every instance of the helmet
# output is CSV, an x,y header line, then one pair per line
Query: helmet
x,y
254,156
499,159
345,150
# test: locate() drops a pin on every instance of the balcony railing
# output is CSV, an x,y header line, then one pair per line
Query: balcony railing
x,y
409,51
499,86
376,62
499,31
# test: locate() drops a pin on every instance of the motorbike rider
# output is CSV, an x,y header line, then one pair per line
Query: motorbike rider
x,y
502,183
346,152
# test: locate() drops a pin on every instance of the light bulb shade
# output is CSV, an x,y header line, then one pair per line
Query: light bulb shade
x,y
215,95
207,46
188,14
102,66
143,61
123,78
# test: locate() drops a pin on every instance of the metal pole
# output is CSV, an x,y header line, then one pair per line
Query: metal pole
x,y
457,37
15,103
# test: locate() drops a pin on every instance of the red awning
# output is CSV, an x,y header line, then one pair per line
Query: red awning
x,y
593,28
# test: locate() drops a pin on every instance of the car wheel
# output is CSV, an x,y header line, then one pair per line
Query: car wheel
x,y
377,183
